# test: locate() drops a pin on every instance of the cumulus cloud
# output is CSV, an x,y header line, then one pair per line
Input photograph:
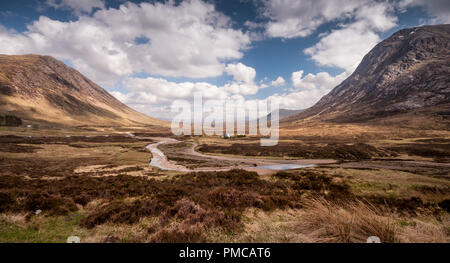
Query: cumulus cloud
x,y
195,42
307,90
155,91
279,82
241,72
243,79
167,91
300,18
78,6
354,43
322,80
241,88
346,46
438,9
153,95
148,94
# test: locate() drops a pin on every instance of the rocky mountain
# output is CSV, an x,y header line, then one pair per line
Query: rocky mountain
x,y
408,72
284,113
44,90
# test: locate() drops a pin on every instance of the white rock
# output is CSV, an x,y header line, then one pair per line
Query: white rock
x,y
73,239
373,239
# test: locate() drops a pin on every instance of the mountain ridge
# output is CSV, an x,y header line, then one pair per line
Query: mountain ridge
x,y
43,89
408,71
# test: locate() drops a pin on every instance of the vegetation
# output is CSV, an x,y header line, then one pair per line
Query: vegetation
x,y
359,151
10,120
104,191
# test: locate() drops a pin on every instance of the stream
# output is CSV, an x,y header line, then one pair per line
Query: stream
x,y
159,160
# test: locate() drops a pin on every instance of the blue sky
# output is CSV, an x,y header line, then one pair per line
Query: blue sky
x,y
149,53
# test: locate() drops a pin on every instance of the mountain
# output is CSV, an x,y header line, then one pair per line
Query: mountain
x,y
284,113
408,72
44,90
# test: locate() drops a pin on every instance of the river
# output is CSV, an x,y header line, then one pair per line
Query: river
x,y
159,160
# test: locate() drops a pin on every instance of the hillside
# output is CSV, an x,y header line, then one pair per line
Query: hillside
x,y
407,74
284,113
41,89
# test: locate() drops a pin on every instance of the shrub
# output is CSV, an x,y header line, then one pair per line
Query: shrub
x,y
120,212
187,235
445,204
5,201
10,120
50,204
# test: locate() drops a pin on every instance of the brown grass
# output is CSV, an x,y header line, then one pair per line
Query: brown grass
x,y
418,231
355,221
352,222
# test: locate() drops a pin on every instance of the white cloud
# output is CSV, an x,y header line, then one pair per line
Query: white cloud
x,y
243,79
345,47
153,95
438,9
299,18
278,82
321,81
241,88
11,42
78,6
158,90
164,91
145,94
241,72
376,16
195,42
308,89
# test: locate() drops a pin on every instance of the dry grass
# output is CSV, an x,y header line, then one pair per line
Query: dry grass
x,y
352,222
262,227
425,231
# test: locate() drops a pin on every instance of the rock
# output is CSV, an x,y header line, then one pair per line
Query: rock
x,y
73,239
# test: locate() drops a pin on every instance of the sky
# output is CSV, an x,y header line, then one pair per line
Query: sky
x,y
151,53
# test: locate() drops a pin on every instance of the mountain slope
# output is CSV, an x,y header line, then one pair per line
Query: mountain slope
x,y
409,71
284,113
43,89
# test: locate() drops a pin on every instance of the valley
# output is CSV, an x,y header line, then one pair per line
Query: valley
x,y
371,158
101,187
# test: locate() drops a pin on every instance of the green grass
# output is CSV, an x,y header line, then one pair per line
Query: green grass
x,y
40,229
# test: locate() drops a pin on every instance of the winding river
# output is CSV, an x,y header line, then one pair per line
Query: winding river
x,y
159,160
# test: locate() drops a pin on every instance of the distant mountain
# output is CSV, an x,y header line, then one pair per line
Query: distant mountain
x,y
407,72
43,89
284,113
